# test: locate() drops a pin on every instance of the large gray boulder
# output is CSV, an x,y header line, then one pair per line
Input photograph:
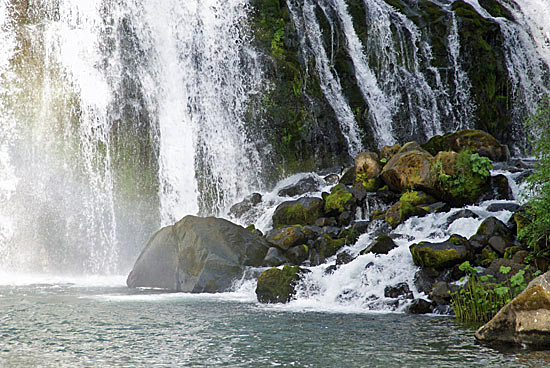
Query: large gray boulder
x,y
523,321
197,255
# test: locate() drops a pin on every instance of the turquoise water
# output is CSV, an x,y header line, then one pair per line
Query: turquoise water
x,y
63,323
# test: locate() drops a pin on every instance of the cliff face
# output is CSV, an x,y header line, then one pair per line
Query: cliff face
x,y
345,75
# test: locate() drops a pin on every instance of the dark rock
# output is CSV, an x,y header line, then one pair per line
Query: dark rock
x,y
492,226
519,256
286,237
420,306
345,218
501,187
486,256
496,207
331,179
478,242
330,269
298,254
348,178
326,221
444,310
499,244
239,209
344,258
274,257
381,245
464,213
360,226
304,185
441,293
424,279
494,269
401,212
197,255
277,285
401,289
304,211
437,207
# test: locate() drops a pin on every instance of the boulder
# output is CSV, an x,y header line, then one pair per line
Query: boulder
x,y
348,177
387,152
399,290
304,185
340,199
303,211
286,237
420,306
408,169
417,198
367,166
298,254
274,257
344,258
525,320
492,226
381,245
277,285
475,141
197,255
239,209
439,255
401,212
509,206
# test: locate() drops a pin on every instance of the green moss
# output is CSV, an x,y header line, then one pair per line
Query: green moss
x,y
486,257
416,198
533,298
436,258
401,212
338,200
276,285
331,246
296,215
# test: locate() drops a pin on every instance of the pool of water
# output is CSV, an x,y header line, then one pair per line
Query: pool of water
x,y
100,322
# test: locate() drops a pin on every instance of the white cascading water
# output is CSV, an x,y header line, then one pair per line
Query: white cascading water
x,y
72,74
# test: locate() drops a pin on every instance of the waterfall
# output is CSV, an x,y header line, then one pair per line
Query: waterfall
x,y
118,118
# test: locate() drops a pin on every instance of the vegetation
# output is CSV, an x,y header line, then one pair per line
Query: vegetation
x,y
481,298
536,231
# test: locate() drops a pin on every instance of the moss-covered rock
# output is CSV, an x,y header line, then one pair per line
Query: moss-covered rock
x,y
417,198
408,169
401,211
286,237
330,246
304,211
387,152
472,140
339,200
367,165
277,285
439,255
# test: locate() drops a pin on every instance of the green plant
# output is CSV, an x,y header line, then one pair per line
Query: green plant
x,y
536,232
481,298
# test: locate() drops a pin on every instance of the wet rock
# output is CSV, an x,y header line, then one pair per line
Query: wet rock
x,y
424,279
344,258
519,256
523,321
326,221
239,209
297,254
277,285
501,187
464,213
408,169
304,185
348,178
475,141
274,257
437,207
420,306
499,244
331,179
330,269
286,237
197,255
339,200
401,212
492,226
441,293
496,207
383,244
439,255
396,291
417,198
304,211
496,264
486,256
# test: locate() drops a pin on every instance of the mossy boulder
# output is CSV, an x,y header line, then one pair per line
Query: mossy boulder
x,y
472,140
304,211
367,165
401,211
329,246
340,199
408,169
277,285
417,198
387,152
439,255
286,237
459,178
525,320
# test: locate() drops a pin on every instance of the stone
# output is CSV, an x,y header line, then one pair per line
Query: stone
x,y
303,211
401,212
519,256
239,209
417,198
464,213
399,290
424,280
381,245
197,255
497,207
525,320
499,244
496,264
304,185
274,257
277,285
344,258
441,293
331,179
367,166
420,306
297,254
387,152
340,199
286,237
348,178
475,141
408,169
492,226
439,255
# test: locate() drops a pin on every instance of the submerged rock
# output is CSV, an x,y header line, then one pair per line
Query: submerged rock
x,y
277,285
525,320
197,255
